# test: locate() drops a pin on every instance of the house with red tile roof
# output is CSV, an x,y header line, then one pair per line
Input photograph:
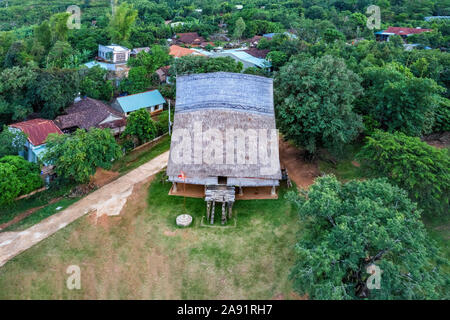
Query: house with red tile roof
x,y
178,52
400,31
37,131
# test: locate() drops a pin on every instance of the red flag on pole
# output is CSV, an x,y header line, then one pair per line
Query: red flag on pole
x,y
182,176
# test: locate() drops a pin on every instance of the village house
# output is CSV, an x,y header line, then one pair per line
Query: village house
x,y
163,74
112,58
152,100
114,53
189,39
37,131
136,51
248,57
178,52
91,113
402,32
232,165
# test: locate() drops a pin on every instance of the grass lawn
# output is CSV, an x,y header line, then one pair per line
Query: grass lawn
x,y
344,170
36,200
143,254
41,214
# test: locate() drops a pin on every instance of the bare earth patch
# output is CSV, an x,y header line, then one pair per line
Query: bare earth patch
x,y
301,172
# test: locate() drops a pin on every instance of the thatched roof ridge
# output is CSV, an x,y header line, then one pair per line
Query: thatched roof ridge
x,y
225,90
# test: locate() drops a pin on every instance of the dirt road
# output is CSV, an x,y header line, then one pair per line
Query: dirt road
x,y
108,200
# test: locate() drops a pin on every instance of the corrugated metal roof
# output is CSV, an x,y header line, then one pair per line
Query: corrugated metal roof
x,y
103,65
138,101
37,130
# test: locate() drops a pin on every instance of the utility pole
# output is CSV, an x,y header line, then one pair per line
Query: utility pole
x,y
170,122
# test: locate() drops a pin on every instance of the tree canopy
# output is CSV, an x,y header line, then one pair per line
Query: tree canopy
x,y
359,225
77,156
314,102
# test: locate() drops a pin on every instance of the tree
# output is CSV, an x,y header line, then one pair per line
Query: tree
x,y
138,81
314,99
58,24
11,141
199,64
277,58
17,93
332,35
77,156
55,89
239,28
28,173
153,60
95,85
9,184
121,23
59,54
357,225
398,100
140,126
420,169
43,34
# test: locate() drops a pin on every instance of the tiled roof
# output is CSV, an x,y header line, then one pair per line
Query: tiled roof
x,y
405,31
179,52
258,53
88,113
37,130
190,38
138,101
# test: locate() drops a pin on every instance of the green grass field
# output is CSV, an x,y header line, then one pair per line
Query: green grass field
x,y
142,254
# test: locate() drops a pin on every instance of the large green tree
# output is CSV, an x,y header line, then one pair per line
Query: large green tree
x,y
17,177
359,225
122,22
140,127
398,100
314,99
94,84
199,64
153,60
17,93
138,81
11,141
420,169
77,156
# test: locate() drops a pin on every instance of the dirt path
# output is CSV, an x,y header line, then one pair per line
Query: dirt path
x,y
108,200
301,172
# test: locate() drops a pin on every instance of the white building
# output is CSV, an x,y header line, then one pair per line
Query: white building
x,y
114,53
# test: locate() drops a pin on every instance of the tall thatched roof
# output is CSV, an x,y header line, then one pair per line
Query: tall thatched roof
x,y
226,101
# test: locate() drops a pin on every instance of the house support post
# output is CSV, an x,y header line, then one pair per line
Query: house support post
x,y
224,213
241,191
208,209
174,187
212,211
230,209
274,191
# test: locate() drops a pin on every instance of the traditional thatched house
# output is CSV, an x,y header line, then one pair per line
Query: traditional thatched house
x,y
224,142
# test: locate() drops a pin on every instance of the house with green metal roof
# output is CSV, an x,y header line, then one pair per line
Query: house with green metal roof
x,y
152,100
